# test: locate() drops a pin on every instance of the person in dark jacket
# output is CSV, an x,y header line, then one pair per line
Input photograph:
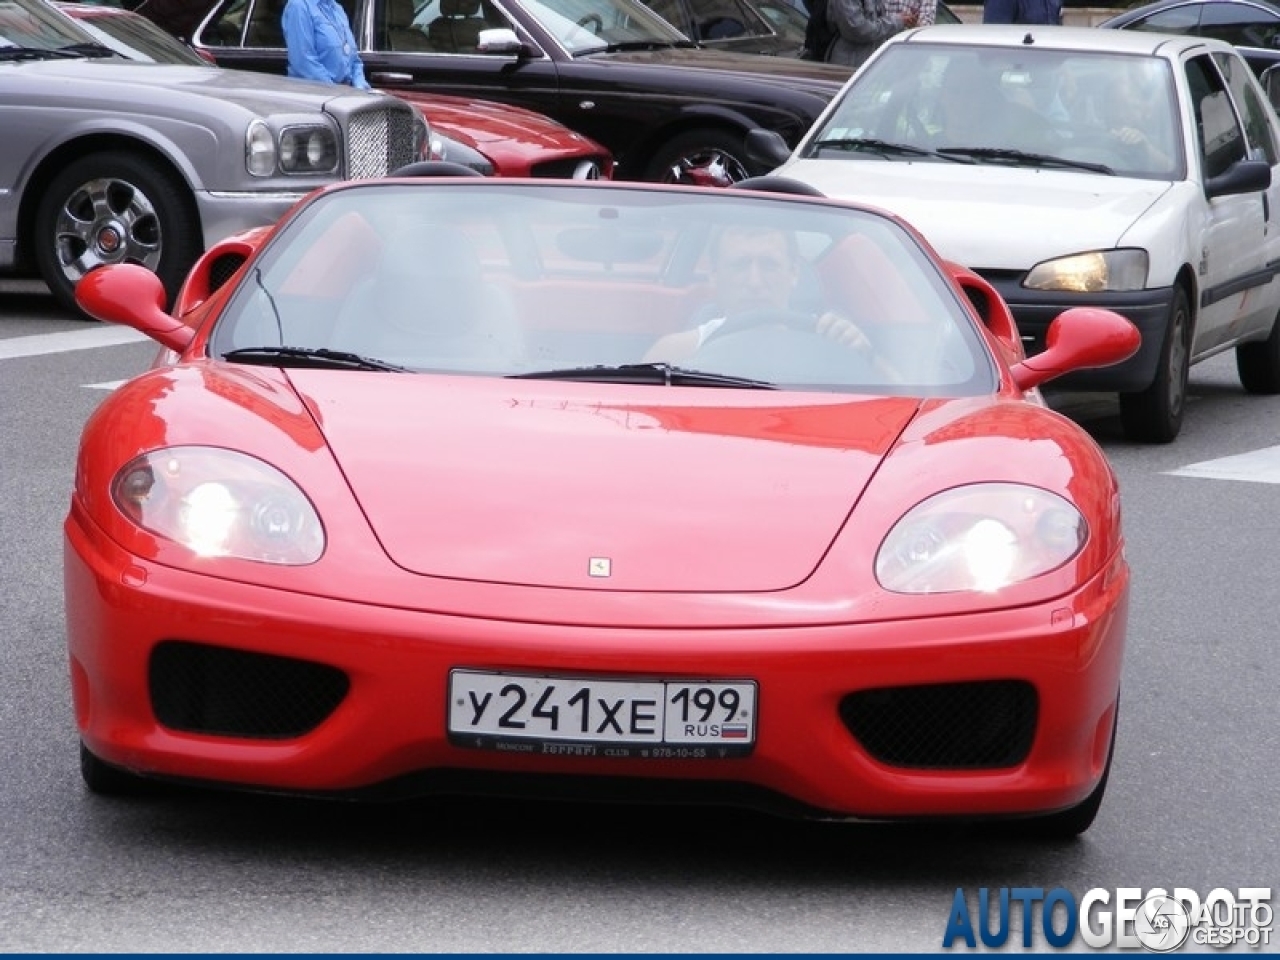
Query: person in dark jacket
x,y
860,27
1022,11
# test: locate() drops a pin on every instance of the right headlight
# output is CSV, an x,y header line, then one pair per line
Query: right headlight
x,y
1093,272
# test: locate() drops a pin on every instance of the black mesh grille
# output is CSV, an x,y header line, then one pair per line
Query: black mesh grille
x,y
222,269
948,726
204,689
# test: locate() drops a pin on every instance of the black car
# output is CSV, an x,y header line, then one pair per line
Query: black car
x,y
748,26
1253,26
668,109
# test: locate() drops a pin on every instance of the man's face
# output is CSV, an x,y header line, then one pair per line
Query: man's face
x,y
754,269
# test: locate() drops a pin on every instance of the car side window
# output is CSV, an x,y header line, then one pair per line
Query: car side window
x,y
1257,126
227,28
1177,20
1218,135
1240,24
266,28
671,11
726,19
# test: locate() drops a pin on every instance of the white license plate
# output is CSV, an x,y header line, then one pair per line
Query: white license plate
x,y
586,716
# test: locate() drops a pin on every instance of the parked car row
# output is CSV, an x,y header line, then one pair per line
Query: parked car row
x,y
666,109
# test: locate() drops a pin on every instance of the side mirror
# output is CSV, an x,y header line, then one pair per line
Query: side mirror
x,y
1079,338
133,296
1243,176
499,40
767,148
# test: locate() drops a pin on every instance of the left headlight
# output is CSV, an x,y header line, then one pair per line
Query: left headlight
x,y
220,503
1094,272
446,148
980,538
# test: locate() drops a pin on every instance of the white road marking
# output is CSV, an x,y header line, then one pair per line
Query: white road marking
x,y
1256,466
105,385
106,335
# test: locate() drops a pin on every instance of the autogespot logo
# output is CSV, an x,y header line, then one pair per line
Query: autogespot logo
x,y
1127,918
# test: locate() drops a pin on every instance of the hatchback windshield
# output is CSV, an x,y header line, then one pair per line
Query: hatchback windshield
x,y
1097,112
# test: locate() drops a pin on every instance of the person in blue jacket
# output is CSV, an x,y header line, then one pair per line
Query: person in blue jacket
x,y
320,44
1022,11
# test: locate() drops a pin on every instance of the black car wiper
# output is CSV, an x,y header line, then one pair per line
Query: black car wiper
x,y
662,374
36,53
308,357
88,50
883,147
1024,158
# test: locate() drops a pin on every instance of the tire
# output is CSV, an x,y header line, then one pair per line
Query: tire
x,y
115,207
1072,822
107,780
1154,415
701,158
1258,363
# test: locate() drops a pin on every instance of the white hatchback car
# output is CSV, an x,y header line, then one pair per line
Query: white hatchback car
x,y
1077,167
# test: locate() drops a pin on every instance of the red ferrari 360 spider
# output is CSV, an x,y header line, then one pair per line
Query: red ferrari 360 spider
x,y
597,489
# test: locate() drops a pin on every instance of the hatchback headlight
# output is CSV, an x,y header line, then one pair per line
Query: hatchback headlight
x,y
220,503
980,538
1094,272
308,150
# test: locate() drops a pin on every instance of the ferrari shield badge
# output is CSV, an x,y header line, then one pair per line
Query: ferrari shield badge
x,y
599,567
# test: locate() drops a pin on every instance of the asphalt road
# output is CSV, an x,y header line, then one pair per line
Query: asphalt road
x,y
1192,801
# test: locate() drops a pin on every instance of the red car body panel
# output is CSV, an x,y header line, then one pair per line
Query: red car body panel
x,y
457,537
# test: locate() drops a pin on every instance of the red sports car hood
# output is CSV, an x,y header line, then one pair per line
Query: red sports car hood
x,y
616,487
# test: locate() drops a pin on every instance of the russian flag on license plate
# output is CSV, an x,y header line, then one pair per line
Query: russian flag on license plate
x,y
733,731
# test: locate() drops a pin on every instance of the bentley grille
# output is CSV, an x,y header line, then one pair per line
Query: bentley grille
x,y
379,140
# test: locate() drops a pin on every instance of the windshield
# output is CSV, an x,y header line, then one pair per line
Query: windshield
x,y
137,38
581,26
622,284
1094,112
35,25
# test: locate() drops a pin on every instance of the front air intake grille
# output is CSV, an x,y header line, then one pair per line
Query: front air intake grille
x,y
984,725
223,269
204,689
379,140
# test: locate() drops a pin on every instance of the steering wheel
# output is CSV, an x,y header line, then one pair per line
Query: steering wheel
x,y
748,320
592,22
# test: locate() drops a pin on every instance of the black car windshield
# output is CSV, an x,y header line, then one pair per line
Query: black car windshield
x,y
587,26
643,288
32,25
1091,112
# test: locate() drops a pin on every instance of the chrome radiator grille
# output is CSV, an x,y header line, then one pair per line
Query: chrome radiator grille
x,y
378,141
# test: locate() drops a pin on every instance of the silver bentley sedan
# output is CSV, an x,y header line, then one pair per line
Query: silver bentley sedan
x,y
106,161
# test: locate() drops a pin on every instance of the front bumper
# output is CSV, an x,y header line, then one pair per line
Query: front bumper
x,y
387,731
1148,310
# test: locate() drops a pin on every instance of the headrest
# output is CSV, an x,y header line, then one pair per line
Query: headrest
x,y
460,8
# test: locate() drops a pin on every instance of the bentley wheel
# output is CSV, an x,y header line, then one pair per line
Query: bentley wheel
x,y
1154,415
700,158
115,207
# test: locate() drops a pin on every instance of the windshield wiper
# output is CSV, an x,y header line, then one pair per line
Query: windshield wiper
x,y
1024,157
882,147
661,374
88,50
310,358
36,53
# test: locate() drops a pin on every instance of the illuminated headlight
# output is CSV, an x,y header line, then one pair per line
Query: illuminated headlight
x,y
260,150
308,150
979,538
1100,270
219,503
